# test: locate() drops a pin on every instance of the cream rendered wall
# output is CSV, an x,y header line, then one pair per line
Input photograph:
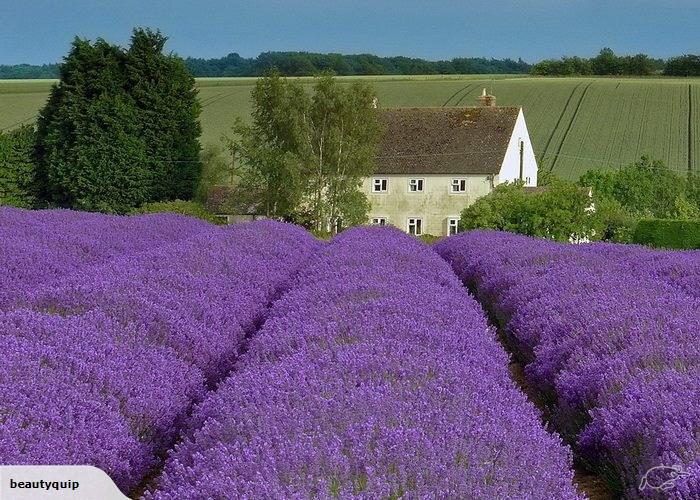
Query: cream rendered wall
x,y
434,205
510,169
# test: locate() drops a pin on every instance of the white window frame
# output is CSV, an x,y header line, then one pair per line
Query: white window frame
x,y
457,182
380,185
419,183
417,222
450,220
379,221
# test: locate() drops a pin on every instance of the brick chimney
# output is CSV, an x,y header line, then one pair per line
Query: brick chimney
x,y
486,100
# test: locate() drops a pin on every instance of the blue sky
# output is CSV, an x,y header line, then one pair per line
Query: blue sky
x,y
37,31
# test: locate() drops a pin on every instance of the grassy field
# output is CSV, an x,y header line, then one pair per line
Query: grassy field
x,y
575,123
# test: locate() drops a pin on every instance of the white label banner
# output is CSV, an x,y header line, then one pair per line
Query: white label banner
x,y
56,482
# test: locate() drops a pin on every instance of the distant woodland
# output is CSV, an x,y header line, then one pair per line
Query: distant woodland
x,y
309,63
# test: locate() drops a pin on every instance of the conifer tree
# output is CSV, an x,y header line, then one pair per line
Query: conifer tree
x,y
166,99
120,128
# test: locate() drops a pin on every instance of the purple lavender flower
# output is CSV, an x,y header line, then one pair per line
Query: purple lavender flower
x,y
111,328
375,375
611,333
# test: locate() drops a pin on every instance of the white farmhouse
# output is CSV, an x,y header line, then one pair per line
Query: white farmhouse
x,y
433,162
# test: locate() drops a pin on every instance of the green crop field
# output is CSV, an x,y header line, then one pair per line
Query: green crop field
x,y
575,123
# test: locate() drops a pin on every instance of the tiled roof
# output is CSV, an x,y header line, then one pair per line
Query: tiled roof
x,y
445,140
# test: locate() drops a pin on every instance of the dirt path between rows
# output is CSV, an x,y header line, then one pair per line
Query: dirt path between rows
x,y
587,482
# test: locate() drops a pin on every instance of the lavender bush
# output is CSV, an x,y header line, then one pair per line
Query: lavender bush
x,y
610,335
375,375
111,328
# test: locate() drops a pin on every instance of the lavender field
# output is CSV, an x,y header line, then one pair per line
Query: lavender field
x,y
609,335
254,361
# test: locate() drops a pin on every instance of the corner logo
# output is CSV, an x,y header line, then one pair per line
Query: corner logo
x,y
662,477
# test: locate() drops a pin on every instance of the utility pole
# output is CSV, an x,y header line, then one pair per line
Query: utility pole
x,y
522,158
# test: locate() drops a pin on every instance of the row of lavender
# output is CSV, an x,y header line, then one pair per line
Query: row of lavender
x,y
111,328
376,375
45,246
610,334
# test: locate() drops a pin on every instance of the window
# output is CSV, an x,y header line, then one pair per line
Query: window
x,y
452,226
380,185
459,185
527,181
415,185
415,226
379,221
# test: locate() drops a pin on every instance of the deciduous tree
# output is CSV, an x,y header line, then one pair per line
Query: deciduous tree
x,y
647,188
560,212
304,156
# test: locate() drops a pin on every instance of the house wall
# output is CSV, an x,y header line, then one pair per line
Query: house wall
x,y
510,169
434,205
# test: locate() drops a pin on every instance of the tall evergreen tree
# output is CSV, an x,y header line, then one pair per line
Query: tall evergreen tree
x,y
116,132
166,99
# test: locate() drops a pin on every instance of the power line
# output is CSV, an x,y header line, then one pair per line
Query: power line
x,y
18,123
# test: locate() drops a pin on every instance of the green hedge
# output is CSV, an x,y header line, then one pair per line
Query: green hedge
x,y
191,208
429,239
17,170
668,233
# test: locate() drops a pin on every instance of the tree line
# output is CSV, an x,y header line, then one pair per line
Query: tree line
x,y
607,63
309,64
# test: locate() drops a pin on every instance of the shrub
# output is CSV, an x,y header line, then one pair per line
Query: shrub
x,y
668,233
17,170
615,224
559,212
646,188
429,239
191,208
